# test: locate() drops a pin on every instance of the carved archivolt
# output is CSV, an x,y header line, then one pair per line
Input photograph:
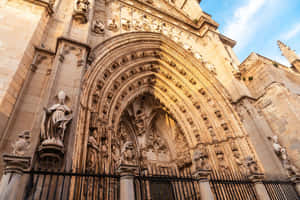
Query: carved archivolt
x,y
131,66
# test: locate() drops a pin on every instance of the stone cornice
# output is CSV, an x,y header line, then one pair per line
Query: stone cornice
x,y
227,40
46,4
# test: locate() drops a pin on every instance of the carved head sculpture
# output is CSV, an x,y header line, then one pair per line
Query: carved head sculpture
x,y
61,97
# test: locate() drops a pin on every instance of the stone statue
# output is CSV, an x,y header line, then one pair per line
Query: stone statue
x,y
282,155
55,121
252,166
98,27
22,144
93,149
128,154
200,160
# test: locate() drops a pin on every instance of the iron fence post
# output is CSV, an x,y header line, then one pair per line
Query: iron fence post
x,y
127,173
205,189
260,188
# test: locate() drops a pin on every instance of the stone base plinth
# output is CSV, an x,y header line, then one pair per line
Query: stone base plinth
x,y
51,154
202,174
296,180
16,164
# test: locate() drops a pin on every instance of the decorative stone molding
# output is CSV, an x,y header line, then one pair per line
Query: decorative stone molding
x,y
15,164
112,26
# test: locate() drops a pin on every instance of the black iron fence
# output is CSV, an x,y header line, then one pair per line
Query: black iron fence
x,y
166,184
281,190
228,186
156,184
49,185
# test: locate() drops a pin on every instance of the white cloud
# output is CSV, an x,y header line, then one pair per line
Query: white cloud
x,y
292,33
243,24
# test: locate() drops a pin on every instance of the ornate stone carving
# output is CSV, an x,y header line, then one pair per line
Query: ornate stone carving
x,y
112,26
252,166
128,154
200,159
125,24
282,155
93,150
54,125
221,159
98,27
81,10
22,144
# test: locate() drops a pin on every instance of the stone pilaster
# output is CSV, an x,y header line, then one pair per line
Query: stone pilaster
x,y
296,180
11,182
127,173
205,189
260,188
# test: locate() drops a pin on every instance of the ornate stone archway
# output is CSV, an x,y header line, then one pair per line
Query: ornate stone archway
x,y
133,66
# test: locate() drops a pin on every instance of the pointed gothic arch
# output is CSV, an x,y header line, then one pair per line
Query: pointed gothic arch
x,y
132,64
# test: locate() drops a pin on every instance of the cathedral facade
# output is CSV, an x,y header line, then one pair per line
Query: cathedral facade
x,y
119,88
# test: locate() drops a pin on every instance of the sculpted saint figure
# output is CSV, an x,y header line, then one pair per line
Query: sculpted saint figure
x,y
252,166
93,149
98,27
55,121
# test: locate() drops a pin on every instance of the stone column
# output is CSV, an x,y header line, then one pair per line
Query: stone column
x,y
296,180
11,182
127,181
260,188
205,189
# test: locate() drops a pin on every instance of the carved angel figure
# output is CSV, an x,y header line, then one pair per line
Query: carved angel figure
x,y
127,153
55,121
22,144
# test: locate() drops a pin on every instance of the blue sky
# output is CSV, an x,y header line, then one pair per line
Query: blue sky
x,y
256,25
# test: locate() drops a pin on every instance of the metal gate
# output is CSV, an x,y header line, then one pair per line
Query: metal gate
x,y
281,190
166,184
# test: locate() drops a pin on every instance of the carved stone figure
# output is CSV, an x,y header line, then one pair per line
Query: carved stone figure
x,y
282,155
200,160
221,160
125,24
81,9
98,27
22,144
252,166
93,149
128,154
55,121
112,26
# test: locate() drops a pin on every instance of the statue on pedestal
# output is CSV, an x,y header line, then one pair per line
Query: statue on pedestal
x,y
200,160
53,127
